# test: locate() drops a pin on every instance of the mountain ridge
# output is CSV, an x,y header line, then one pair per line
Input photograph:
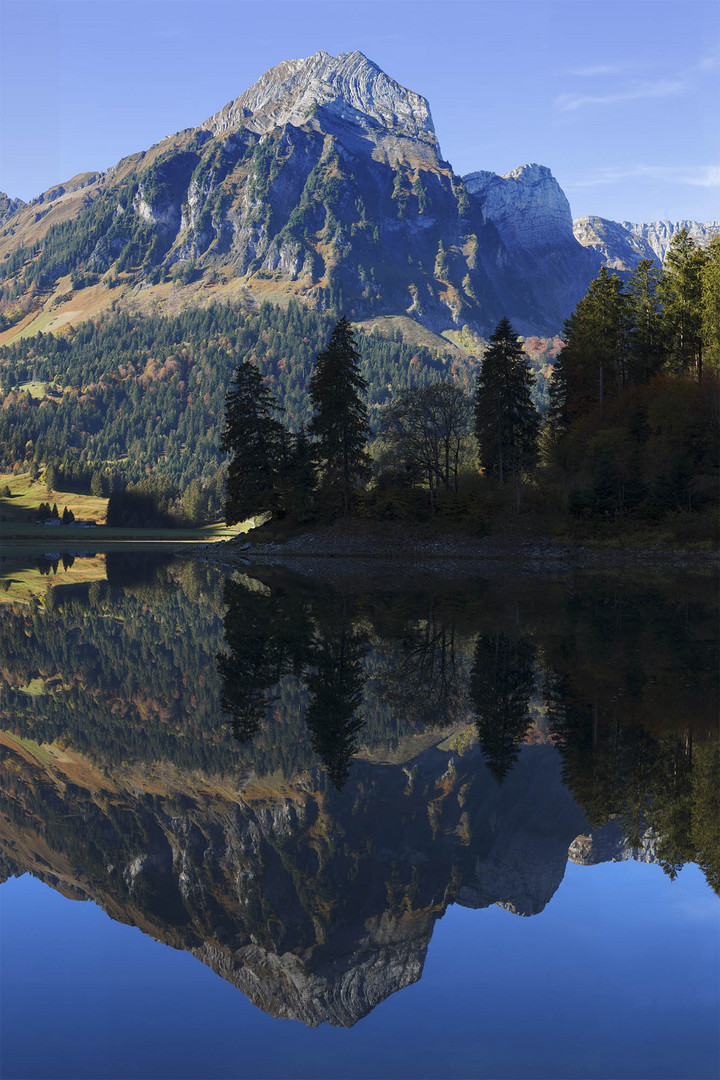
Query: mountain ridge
x,y
323,181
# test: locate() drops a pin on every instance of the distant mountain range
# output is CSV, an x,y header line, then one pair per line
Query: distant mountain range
x,y
324,180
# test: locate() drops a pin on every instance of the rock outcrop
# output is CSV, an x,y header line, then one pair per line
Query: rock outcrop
x,y
622,245
8,207
527,206
615,247
658,235
538,261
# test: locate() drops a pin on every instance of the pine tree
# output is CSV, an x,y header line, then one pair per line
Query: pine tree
x,y
594,361
257,442
334,681
501,683
51,478
299,476
96,484
339,424
646,351
711,305
681,291
506,421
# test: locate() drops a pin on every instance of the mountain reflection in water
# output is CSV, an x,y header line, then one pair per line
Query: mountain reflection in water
x,y
293,781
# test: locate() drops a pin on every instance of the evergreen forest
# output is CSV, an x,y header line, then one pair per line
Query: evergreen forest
x,y
612,428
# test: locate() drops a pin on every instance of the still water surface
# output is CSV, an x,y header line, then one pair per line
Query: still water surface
x,y
438,830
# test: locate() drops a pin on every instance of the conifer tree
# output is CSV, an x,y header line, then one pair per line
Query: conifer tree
x,y
256,441
299,479
51,477
646,350
334,681
593,362
682,302
501,683
711,305
506,421
339,424
96,484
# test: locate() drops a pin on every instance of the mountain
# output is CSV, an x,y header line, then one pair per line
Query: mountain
x,y
324,181
621,245
538,261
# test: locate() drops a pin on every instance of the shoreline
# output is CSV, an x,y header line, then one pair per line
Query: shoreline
x,y
395,553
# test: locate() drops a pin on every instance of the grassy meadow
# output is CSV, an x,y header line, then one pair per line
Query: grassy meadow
x,y
22,538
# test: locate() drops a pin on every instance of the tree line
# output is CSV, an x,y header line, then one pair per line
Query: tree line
x,y
633,420
132,408
631,432
323,467
125,397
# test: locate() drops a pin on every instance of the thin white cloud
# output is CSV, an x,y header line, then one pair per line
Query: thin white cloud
x,y
661,89
696,176
596,69
707,177
709,63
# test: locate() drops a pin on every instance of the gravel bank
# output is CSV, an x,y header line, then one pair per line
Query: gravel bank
x,y
396,552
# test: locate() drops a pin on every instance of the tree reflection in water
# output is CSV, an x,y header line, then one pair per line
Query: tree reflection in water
x,y
597,671
502,681
382,766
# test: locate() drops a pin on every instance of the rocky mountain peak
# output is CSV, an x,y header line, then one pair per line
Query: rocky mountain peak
x,y
348,88
621,245
527,205
618,248
8,206
658,235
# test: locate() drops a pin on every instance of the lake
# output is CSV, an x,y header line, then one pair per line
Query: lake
x,y
263,824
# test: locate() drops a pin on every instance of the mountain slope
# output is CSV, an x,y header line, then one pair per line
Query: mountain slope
x,y
323,181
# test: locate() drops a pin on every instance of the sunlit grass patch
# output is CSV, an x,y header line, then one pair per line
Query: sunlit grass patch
x,y
35,688
27,494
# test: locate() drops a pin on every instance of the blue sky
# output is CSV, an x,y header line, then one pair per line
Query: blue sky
x,y
620,99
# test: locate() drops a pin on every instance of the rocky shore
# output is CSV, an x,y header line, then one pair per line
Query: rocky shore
x,y
396,552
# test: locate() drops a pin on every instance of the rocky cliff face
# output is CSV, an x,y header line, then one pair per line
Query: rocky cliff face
x,y
658,235
621,245
527,206
8,207
539,262
335,94
615,247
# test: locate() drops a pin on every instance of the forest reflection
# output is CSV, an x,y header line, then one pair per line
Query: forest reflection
x,y
277,676
621,682
272,636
